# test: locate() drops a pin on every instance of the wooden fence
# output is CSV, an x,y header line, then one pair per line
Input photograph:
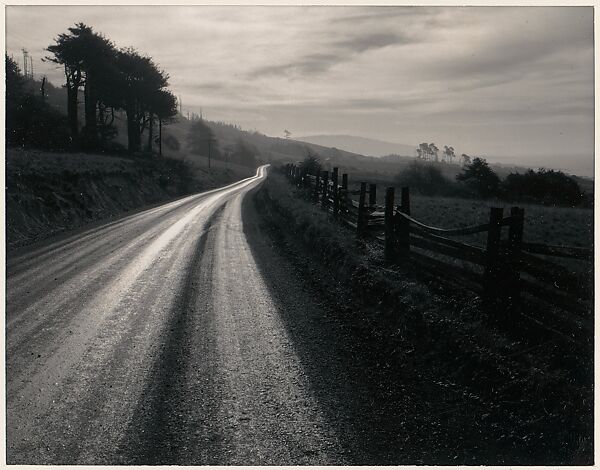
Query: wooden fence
x,y
504,271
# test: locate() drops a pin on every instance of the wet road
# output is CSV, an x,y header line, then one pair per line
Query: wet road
x,y
155,339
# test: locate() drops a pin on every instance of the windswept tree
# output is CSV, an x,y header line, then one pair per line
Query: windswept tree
x,y
448,153
433,151
140,81
69,51
424,147
88,60
466,159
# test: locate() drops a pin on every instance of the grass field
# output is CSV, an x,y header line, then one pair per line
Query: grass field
x,y
571,226
543,224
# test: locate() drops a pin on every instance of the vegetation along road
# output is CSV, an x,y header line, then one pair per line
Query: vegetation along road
x,y
155,339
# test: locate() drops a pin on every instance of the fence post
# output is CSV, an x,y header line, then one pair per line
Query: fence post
x,y
317,186
344,193
402,225
492,268
324,192
336,198
515,240
372,196
361,223
390,242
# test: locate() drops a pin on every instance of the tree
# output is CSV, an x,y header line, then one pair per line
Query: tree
x,y
424,147
424,178
163,104
542,186
433,151
140,80
312,163
202,141
479,178
68,52
466,159
244,153
30,121
287,134
448,153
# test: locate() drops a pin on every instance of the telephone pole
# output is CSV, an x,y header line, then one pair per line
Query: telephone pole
x,y
25,57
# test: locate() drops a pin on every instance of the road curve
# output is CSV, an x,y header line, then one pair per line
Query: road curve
x,y
154,339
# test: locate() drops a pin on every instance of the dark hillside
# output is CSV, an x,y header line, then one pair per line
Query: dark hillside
x,y
47,193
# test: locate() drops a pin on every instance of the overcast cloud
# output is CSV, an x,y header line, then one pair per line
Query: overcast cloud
x,y
513,82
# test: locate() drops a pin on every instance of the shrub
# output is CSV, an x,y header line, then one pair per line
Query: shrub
x,y
479,178
311,164
425,179
547,187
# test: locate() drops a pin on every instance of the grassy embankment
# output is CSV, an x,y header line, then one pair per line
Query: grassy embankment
x,y
494,396
47,193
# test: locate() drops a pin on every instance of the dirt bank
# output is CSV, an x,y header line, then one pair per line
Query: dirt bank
x,y
47,193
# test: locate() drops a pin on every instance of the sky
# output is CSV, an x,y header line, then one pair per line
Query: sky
x,y
514,84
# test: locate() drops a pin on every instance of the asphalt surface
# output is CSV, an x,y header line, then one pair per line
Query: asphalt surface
x,y
159,339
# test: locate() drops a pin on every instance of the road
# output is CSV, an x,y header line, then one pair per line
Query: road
x,y
156,339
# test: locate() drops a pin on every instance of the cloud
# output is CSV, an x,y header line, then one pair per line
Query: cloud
x,y
413,73
373,41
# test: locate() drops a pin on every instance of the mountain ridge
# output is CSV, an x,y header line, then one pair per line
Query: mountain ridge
x,y
360,145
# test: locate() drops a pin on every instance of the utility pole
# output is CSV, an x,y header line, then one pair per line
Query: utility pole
x,y
25,56
31,62
43,88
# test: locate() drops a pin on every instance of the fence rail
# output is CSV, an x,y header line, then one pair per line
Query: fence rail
x,y
503,271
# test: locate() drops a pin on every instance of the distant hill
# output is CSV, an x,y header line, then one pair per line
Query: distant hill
x,y
360,145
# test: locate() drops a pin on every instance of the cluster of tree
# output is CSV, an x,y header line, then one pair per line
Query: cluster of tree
x,y
426,179
543,186
30,120
112,80
202,141
430,152
477,179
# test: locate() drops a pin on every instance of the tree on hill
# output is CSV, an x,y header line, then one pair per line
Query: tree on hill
x,y
141,80
433,151
448,153
542,186
30,121
112,79
88,61
202,141
163,104
244,153
68,52
425,178
479,178
312,163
